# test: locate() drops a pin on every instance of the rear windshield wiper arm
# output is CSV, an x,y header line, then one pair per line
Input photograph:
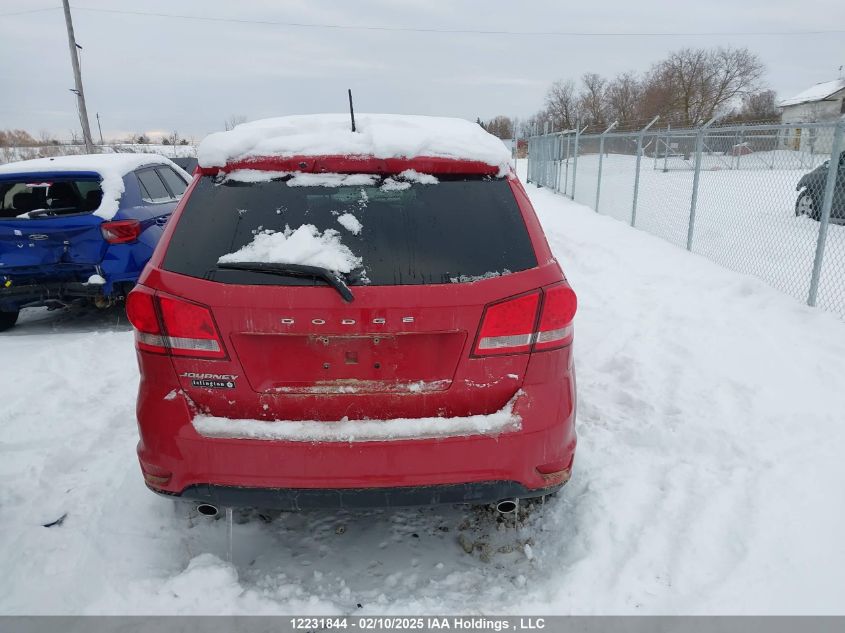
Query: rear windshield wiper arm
x,y
294,270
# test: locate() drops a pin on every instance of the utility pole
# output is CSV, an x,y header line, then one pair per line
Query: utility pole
x,y
100,127
80,95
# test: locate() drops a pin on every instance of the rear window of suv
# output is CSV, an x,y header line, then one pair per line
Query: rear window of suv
x,y
459,229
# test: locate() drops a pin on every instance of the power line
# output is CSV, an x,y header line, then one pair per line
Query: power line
x,y
404,29
25,11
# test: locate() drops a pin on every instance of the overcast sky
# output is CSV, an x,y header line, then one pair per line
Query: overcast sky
x,y
153,74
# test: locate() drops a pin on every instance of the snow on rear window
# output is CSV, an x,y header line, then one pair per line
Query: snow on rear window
x,y
391,184
304,245
423,234
254,175
350,223
465,279
412,175
302,179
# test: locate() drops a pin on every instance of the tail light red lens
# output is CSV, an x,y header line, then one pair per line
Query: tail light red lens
x,y
121,231
555,328
190,329
141,311
168,325
513,326
508,327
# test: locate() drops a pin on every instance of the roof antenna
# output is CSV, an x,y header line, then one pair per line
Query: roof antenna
x,y
351,110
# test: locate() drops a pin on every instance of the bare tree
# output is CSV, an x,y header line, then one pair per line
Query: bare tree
x,y
687,88
624,94
760,106
500,126
233,120
691,85
592,101
562,108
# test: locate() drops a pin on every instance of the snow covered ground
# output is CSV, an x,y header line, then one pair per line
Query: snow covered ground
x,y
708,477
745,219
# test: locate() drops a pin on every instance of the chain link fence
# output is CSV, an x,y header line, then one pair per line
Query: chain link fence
x,y
766,200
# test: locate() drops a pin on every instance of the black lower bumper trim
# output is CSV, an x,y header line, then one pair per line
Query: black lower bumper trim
x,y
292,499
49,291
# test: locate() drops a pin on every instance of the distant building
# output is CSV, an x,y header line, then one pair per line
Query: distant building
x,y
819,103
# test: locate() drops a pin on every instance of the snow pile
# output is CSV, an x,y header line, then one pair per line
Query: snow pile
x,y
304,245
464,279
412,175
350,223
378,135
254,175
391,184
95,280
346,430
302,179
111,168
401,181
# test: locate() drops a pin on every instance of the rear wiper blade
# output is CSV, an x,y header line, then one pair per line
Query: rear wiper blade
x,y
294,270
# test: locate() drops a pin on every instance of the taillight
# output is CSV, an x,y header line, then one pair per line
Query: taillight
x,y
508,327
121,231
190,329
168,325
141,311
558,311
513,326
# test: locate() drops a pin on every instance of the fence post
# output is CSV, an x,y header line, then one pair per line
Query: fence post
x,y
824,220
578,133
547,153
640,138
668,144
566,171
558,159
601,159
699,150
528,157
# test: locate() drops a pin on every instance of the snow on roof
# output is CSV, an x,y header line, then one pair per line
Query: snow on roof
x,y
111,167
377,135
819,92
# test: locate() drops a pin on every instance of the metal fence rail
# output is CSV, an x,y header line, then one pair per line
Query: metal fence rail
x,y
766,200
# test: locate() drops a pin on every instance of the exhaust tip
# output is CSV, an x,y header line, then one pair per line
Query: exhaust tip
x,y
207,510
506,506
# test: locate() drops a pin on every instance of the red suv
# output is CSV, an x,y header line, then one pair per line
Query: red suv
x,y
377,322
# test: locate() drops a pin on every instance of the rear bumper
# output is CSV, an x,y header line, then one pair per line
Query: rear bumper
x,y
300,475
532,461
43,293
295,499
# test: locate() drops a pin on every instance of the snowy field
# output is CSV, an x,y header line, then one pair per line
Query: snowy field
x,y
11,154
745,219
708,476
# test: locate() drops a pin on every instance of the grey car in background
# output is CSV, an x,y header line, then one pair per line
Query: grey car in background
x,y
811,188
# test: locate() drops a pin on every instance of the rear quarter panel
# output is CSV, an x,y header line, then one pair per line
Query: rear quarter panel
x,y
124,262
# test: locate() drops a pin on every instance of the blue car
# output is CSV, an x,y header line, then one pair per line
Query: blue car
x,y
77,229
